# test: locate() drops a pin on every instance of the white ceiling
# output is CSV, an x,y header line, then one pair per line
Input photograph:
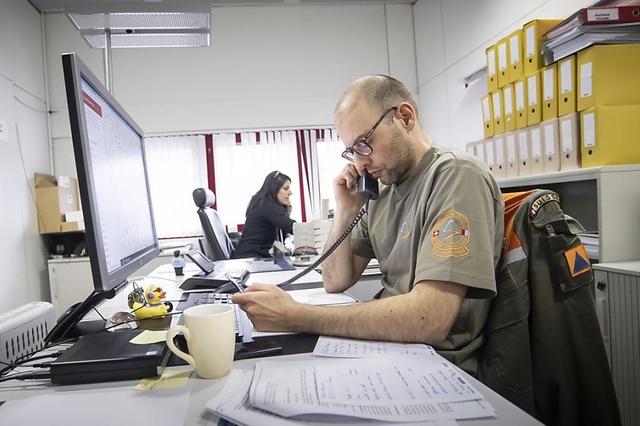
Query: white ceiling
x,y
58,5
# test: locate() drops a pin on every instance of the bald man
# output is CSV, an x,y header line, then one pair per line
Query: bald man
x,y
436,230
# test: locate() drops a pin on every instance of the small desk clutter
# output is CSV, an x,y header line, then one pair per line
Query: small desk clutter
x,y
563,94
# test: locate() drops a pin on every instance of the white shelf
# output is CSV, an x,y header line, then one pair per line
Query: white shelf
x,y
604,199
591,173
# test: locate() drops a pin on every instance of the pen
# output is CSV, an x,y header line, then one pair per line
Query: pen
x,y
240,286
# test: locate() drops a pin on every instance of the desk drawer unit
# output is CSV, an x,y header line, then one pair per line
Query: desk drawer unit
x,y
618,304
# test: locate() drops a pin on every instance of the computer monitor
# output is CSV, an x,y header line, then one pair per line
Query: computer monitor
x,y
114,188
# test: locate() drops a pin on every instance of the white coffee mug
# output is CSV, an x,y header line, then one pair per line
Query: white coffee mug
x,y
211,339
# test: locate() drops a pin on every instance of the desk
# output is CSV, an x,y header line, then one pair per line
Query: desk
x,y
200,390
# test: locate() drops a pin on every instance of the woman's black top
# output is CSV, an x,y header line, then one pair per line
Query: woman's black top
x,y
261,229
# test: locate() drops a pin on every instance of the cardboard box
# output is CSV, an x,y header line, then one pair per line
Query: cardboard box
x,y
56,196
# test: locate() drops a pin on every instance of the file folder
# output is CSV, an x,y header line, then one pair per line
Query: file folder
x,y
533,32
609,135
535,143
520,92
608,75
480,154
498,112
566,86
492,68
524,152
512,154
551,145
487,116
500,167
549,99
569,142
489,155
503,62
534,109
509,102
515,55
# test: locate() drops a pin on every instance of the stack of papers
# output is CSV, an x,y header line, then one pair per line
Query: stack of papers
x,y
591,242
352,382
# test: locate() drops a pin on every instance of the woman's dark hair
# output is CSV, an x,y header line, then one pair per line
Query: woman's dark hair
x,y
270,187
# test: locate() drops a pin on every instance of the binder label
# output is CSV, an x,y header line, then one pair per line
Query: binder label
x,y
498,142
486,111
522,139
566,135
514,47
502,56
585,79
549,140
532,86
497,108
488,146
535,142
530,41
547,84
508,101
565,76
491,62
589,130
602,14
511,148
519,95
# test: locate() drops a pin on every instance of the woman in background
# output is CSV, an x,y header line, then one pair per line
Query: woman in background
x,y
267,217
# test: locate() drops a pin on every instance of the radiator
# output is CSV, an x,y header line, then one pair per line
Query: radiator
x,y
618,299
22,330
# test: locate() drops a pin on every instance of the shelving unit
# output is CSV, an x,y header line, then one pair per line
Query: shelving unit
x,y
604,199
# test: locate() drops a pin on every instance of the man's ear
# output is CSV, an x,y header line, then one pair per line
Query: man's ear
x,y
407,115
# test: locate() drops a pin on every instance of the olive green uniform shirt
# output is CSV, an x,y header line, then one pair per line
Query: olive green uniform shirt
x,y
444,222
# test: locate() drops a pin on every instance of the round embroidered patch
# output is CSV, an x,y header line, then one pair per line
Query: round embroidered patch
x,y
450,235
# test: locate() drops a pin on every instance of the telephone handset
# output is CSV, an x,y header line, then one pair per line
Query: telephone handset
x,y
367,186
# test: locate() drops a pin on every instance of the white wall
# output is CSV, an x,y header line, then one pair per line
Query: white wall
x,y
451,36
266,67
23,109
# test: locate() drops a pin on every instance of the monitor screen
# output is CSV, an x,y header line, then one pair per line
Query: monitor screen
x,y
114,187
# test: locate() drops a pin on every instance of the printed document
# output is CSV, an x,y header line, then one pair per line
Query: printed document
x,y
399,390
232,403
337,347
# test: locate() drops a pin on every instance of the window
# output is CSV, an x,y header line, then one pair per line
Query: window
x,y
243,160
177,165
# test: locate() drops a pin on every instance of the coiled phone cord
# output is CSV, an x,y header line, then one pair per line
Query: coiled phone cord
x,y
327,253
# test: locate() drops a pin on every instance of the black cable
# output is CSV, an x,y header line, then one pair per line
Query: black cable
x,y
23,358
328,252
26,376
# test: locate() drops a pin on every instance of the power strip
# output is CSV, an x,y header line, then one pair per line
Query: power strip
x,y
22,330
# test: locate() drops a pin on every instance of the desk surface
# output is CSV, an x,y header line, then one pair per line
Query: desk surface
x,y
201,390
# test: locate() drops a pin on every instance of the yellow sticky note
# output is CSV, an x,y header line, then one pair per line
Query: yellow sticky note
x,y
149,336
170,379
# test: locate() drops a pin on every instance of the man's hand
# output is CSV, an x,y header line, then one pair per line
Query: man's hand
x,y
268,307
344,186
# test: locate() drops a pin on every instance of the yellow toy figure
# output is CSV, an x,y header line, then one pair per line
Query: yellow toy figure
x,y
152,306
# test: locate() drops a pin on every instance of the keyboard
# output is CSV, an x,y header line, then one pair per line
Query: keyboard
x,y
207,298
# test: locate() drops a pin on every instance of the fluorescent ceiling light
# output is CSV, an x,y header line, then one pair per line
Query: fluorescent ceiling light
x,y
163,24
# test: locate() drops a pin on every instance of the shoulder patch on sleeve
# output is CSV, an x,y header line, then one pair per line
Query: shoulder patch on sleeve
x,y
541,201
450,235
578,260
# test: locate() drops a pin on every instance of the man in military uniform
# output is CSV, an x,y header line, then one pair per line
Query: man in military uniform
x,y
436,230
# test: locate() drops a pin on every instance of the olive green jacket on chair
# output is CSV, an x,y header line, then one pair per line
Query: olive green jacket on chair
x,y
544,349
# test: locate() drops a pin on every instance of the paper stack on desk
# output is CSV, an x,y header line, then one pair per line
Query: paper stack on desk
x,y
395,383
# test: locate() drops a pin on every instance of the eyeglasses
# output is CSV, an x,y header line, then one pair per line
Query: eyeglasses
x,y
362,146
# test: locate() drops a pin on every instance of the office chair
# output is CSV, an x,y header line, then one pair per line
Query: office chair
x,y
217,244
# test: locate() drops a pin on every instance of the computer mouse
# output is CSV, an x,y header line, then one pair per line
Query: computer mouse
x,y
120,321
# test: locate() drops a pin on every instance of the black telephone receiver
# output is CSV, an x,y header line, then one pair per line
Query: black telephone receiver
x,y
368,186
